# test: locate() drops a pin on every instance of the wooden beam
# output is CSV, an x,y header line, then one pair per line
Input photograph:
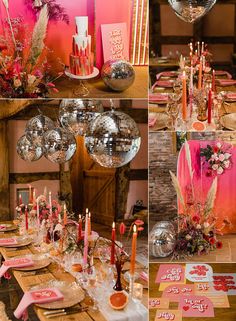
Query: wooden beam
x,y
138,174
25,178
4,173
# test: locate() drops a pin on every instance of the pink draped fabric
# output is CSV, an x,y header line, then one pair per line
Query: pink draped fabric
x,y
225,204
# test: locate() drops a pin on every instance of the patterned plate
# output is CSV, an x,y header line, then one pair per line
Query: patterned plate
x,y
40,261
72,292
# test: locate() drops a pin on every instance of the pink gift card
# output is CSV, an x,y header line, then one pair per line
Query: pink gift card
x,y
196,306
169,315
199,272
9,241
170,273
158,303
115,41
224,283
174,292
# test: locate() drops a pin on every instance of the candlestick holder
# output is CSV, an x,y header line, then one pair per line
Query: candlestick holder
x,y
131,285
118,284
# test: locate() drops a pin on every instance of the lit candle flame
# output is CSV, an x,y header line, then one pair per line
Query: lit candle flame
x,y
113,225
135,229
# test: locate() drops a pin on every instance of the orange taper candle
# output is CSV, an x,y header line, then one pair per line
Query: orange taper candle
x,y
184,97
133,254
65,216
89,224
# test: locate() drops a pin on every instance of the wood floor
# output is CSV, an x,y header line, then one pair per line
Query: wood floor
x,y
226,314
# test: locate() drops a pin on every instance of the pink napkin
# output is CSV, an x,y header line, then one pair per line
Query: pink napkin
x,y
166,74
6,242
144,276
231,96
226,82
2,227
163,83
22,262
37,296
222,73
158,97
152,121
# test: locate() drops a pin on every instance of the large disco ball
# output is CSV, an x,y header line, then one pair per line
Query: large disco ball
x,y
36,127
191,10
29,151
75,114
162,239
113,139
118,75
59,145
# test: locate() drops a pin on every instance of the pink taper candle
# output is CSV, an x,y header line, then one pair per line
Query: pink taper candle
x,y
113,239
134,249
86,241
214,81
80,228
26,219
184,97
209,106
200,75
89,223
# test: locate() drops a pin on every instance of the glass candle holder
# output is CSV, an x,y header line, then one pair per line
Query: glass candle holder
x,y
137,292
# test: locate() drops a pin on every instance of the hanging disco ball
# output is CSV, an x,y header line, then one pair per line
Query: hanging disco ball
x,y
29,151
162,239
191,10
118,75
59,145
36,127
76,114
113,139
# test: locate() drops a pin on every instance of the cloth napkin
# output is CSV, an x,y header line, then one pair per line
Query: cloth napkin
x,y
22,262
166,74
231,96
37,296
9,241
222,73
163,83
158,97
144,276
2,227
226,82
152,121
133,311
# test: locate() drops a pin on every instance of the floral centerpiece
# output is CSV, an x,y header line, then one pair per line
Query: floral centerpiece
x,y
24,70
197,231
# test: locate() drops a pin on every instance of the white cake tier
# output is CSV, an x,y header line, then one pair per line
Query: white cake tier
x,y
82,26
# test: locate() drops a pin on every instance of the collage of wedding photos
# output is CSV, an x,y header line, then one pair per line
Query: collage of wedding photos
x,y
118,150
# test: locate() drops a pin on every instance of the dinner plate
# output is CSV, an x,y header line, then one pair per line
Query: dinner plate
x,y
21,241
162,120
72,292
229,121
40,261
7,227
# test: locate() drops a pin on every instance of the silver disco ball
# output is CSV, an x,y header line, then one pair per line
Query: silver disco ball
x,y
162,239
118,75
59,145
113,139
36,127
29,151
76,114
191,10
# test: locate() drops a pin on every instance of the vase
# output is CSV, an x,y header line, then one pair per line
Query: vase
x,y
118,284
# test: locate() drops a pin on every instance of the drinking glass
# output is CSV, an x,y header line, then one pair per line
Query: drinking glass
x,y
137,292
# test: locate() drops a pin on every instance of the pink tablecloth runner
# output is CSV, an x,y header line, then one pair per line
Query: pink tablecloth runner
x,y
225,204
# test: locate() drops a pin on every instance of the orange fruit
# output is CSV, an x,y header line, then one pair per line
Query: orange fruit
x,y
197,125
77,267
118,300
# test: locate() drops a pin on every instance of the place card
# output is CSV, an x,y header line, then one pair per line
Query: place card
x,y
224,283
196,306
158,303
8,241
169,315
174,292
219,300
170,274
199,272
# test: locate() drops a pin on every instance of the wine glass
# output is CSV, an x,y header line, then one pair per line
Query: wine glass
x,y
172,112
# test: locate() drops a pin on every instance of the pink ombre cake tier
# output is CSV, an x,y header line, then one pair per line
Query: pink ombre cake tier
x,y
82,65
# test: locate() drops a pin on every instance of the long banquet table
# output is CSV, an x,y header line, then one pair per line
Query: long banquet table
x,y
52,272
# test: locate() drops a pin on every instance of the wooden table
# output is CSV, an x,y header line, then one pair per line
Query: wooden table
x,y
97,88
53,271
226,314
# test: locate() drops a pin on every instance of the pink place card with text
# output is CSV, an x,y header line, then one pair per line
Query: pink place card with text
x,y
170,273
219,300
7,241
174,292
168,315
196,306
158,303
44,294
199,272
115,41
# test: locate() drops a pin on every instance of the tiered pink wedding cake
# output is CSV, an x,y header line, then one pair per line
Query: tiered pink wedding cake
x,y
81,59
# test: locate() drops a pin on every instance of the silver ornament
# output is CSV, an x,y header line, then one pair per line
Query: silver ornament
x,y
75,114
36,127
59,145
191,10
29,151
118,75
113,139
162,239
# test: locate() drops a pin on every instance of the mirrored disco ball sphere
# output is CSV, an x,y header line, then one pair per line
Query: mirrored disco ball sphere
x,y
162,239
75,114
29,151
59,145
36,127
118,75
113,139
191,10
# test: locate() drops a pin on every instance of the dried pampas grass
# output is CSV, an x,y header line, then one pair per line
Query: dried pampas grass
x,y
38,37
6,4
211,196
189,160
177,188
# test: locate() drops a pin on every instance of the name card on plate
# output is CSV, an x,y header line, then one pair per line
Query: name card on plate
x,y
115,41
21,262
196,306
158,303
8,241
169,315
